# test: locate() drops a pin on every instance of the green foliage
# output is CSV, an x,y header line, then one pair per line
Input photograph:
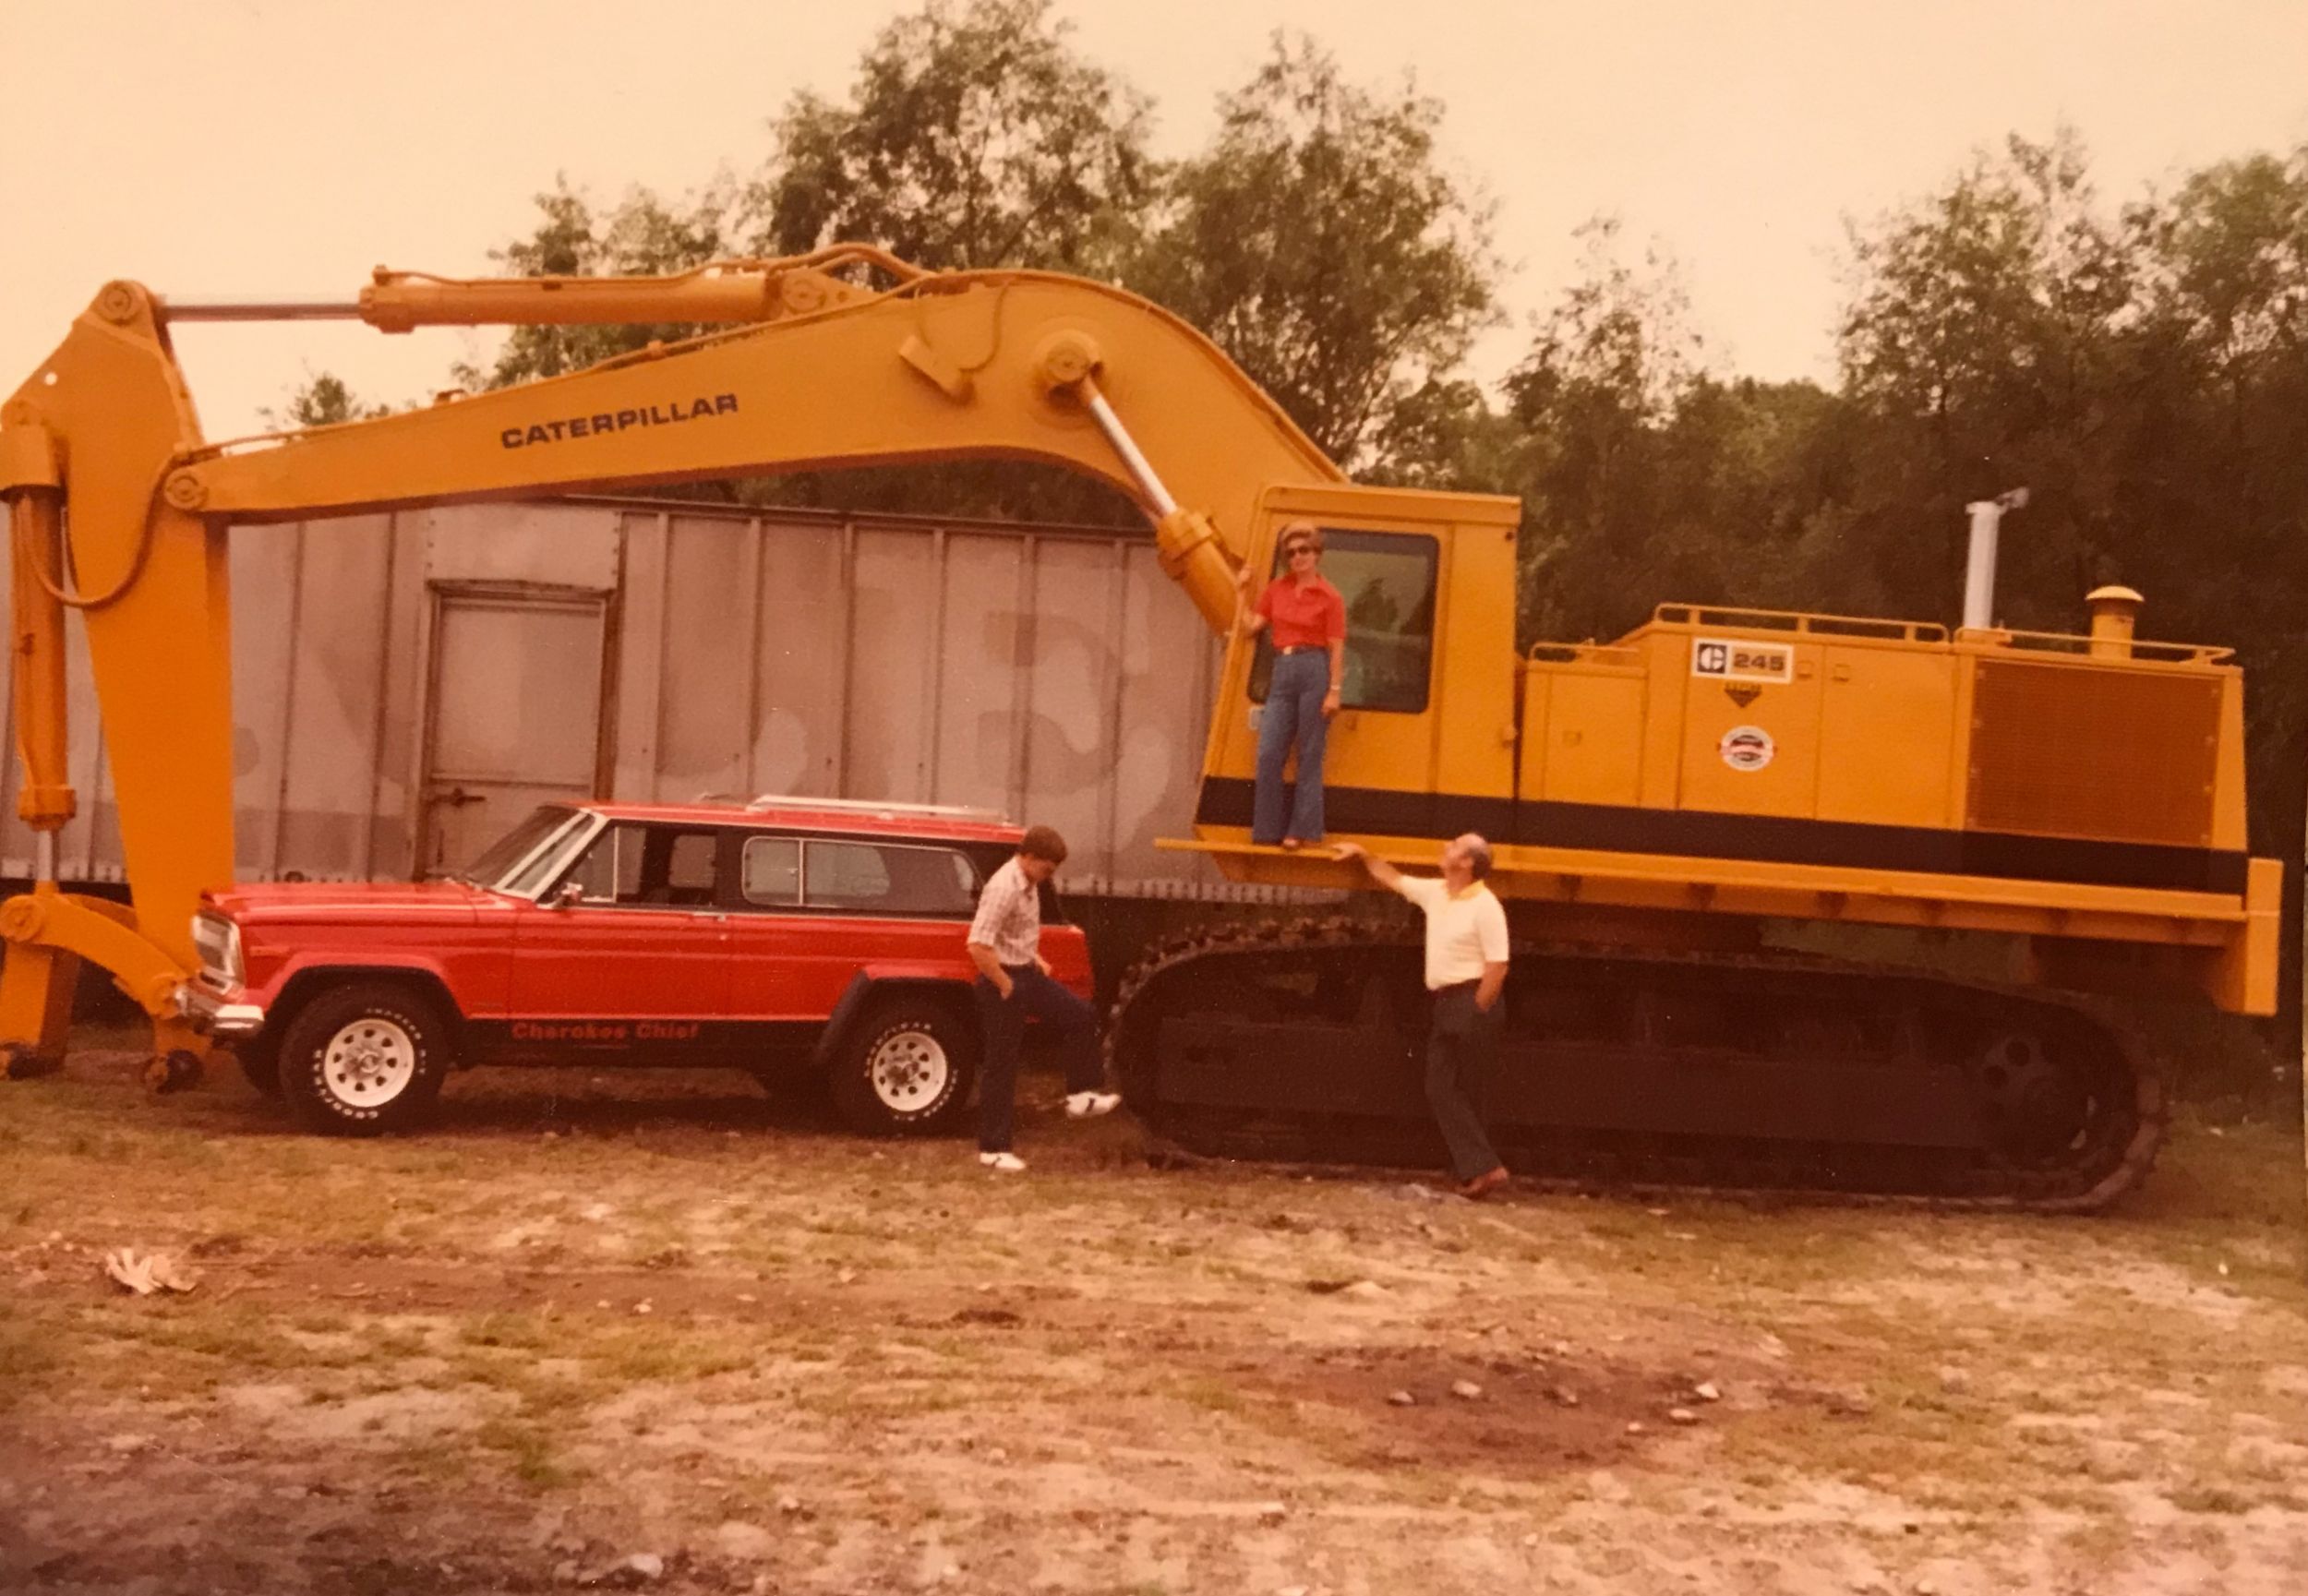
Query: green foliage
x,y
1319,240
324,400
643,235
1323,245
973,137
1986,345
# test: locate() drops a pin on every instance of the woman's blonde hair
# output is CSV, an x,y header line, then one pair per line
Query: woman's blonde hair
x,y
1304,532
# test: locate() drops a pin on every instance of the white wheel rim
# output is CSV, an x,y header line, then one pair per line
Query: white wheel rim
x,y
909,1071
369,1061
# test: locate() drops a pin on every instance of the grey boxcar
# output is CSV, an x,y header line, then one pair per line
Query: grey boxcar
x,y
406,685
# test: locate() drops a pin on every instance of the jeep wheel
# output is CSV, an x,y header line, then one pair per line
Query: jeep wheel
x,y
905,1068
364,1059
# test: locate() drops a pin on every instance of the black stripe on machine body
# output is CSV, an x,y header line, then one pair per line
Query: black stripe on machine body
x,y
1696,834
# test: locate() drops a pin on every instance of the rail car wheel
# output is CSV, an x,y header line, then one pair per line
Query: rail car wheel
x,y
2037,1101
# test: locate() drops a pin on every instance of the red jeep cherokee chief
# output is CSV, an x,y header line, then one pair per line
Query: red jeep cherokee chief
x,y
781,936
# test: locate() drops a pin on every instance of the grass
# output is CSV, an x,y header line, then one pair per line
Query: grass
x,y
1214,1396
536,1462
28,1358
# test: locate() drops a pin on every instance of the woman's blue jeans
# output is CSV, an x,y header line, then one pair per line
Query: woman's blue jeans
x,y
1294,717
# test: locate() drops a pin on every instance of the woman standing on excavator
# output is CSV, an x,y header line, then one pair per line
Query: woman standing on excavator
x,y
1310,620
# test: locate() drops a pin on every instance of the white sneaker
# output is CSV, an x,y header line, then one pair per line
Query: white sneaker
x,y
1089,1105
1008,1163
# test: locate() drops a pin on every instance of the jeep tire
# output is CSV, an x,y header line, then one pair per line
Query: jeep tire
x,y
364,1058
906,1066
259,1061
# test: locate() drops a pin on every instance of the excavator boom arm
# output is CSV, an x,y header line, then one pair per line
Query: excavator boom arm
x,y
121,507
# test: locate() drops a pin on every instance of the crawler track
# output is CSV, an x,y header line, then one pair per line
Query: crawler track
x,y
1302,1043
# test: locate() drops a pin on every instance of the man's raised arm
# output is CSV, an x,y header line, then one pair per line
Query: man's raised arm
x,y
1385,874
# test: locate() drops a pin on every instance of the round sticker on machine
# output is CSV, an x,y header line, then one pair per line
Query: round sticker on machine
x,y
1747,747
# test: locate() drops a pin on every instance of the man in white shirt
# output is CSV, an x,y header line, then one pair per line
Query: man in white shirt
x,y
1466,971
1014,981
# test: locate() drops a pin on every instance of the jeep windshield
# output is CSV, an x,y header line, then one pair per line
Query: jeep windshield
x,y
524,858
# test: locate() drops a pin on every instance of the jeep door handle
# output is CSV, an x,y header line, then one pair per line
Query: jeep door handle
x,y
456,795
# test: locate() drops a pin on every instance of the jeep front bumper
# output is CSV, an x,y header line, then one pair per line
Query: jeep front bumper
x,y
208,1013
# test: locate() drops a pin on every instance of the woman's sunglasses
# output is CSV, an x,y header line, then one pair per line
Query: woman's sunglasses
x,y
1296,550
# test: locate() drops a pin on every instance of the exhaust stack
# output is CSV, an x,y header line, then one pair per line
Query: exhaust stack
x,y
1987,515
2115,614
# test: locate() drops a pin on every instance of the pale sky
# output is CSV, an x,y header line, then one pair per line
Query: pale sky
x,y
285,147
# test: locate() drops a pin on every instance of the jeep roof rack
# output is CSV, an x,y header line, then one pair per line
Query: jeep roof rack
x,y
875,806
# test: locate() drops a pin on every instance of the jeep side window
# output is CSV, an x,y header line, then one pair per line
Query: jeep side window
x,y
894,878
612,867
846,876
638,866
772,872
678,867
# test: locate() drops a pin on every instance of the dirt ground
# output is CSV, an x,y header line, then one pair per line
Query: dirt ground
x,y
663,1333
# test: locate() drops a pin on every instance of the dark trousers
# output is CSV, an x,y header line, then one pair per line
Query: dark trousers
x,y
1002,1023
1459,1050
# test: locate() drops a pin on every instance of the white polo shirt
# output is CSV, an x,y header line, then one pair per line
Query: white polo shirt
x,y
1464,930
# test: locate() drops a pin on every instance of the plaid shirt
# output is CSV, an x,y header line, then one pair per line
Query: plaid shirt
x,y
1009,916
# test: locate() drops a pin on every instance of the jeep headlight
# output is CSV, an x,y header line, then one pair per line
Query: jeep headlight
x,y
217,940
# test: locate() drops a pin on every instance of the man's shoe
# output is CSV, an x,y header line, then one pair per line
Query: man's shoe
x,y
1089,1105
1484,1184
1008,1163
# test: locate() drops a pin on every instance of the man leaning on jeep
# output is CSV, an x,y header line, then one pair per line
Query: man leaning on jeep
x,y
1013,982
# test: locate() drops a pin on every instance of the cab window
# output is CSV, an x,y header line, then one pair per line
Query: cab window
x,y
634,865
1387,582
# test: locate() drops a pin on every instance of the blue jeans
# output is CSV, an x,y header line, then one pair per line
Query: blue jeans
x,y
1001,1022
1293,716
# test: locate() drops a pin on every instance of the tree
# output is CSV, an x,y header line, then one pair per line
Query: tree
x,y
1323,245
324,400
1985,338
974,137
2218,446
1444,434
1605,371
2145,376
644,235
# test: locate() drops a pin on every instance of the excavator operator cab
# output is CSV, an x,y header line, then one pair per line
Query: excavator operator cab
x,y
1424,738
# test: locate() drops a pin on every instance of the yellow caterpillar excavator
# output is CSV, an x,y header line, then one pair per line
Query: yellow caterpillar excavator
x,y
1653,800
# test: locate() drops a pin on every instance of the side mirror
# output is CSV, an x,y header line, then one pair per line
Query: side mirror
x,y
568,896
